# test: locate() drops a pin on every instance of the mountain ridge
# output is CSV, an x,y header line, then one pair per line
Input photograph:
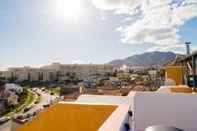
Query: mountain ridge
x,y
146,59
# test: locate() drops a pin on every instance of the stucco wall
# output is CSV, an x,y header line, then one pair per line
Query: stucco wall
x,y
116,120
175,73
177,110
103,99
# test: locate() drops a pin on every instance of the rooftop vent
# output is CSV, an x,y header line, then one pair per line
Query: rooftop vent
x,y
188,47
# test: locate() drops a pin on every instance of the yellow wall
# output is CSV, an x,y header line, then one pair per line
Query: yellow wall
x,y
176,89
70,117
175,73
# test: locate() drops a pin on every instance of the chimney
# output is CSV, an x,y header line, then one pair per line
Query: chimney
x,y
188,47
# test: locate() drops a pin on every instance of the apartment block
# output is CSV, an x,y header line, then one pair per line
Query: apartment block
x,y
34,75
138,111
80,71
60,72
21,73
49,75
7,74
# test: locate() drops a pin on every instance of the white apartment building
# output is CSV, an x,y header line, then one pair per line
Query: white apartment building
x,y
6,74
81,71
48,75
60,72
34,75
87,71
21,73
138,111
1,73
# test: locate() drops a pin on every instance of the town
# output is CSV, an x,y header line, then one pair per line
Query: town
x,y
98,65
27,92
29,86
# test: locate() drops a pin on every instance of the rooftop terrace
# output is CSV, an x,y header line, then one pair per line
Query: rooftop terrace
x,y
70,117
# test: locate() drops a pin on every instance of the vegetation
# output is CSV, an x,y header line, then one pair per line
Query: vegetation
x,y
55,90
27,83
148,83
154,89
30,98
38,98
24,83
124,77
2,78
25,99
12,79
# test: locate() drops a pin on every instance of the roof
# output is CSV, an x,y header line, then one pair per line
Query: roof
x,y
194,53
70,117
103,99
175,61
175,89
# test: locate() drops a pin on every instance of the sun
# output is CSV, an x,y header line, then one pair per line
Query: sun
x,y
69,9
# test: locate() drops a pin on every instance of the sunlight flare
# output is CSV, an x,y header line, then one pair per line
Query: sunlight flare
x,y
69,9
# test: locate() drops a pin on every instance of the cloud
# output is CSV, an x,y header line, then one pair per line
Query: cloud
x,y
157,21
115,4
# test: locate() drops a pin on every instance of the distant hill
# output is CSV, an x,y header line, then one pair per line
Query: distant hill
x,y
148,59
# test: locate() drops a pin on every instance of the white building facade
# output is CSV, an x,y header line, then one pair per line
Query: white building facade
x,y
59,72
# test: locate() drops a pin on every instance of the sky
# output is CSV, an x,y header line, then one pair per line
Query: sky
x,y
35,32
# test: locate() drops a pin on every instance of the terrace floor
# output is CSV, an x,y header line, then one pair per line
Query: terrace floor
x,y
70,117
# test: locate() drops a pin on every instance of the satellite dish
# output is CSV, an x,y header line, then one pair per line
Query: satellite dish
x,y
162,128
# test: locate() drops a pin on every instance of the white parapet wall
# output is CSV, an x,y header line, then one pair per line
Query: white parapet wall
x,y
104,99
149,109
117,120
167,109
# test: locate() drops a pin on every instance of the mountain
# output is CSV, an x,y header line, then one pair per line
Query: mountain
x,y
148,59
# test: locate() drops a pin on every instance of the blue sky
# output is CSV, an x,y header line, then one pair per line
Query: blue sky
x,y
32,34
189,30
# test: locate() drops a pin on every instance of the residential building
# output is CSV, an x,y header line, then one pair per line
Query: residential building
x,y
12,99
174,74
34,75
57,71
80,71
49,75
1,74
125,69
7,74
134,112
3,104
14,88
21,74
152,74
183,70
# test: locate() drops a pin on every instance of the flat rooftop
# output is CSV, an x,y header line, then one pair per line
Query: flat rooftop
x,y
70,117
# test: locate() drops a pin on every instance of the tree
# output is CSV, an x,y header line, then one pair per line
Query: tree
x,y
148,82
12,79
2,78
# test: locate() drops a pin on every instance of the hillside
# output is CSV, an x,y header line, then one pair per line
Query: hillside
x,y
145,60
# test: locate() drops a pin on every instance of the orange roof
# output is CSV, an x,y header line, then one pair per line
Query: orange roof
x,y
70,117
